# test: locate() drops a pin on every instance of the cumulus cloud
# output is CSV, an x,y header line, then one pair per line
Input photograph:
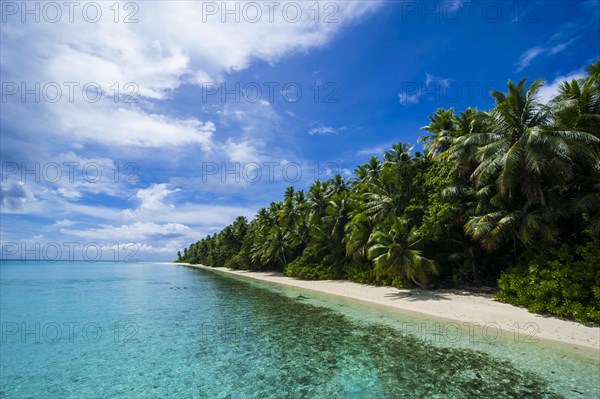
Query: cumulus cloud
x,y
134,72
32,187
110,125
152,197
165,47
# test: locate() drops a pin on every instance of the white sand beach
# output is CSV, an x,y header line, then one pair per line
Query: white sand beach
x,y
447,304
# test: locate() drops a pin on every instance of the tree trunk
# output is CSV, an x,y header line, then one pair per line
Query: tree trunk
x,y
417,283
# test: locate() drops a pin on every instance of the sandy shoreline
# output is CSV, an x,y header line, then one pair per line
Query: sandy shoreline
x,y
448,305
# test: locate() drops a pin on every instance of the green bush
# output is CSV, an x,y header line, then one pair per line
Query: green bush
x,y
363,272
563,281
238,262
309,271
360,272
312,265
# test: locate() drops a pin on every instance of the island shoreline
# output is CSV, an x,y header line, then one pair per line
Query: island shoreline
x,y
448,305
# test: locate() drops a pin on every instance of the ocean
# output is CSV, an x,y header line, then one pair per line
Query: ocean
x,y
151,330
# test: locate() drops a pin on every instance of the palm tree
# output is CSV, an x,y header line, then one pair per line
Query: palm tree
x,y
514,153
317,197
594,69
273,249
358,234
287,215
519,158
337,216
388,194
337,185
372,168
441,128
393,253
577,107
399,153
301,228
501,223
462,155
576,110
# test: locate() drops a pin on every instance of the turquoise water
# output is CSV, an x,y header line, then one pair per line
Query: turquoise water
x,y
112,330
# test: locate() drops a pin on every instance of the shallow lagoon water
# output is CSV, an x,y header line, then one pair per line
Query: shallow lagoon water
x,y
143,330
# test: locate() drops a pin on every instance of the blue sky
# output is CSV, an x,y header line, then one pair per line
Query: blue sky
x,y
179,104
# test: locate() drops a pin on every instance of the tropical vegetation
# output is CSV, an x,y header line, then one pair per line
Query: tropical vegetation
x,y
511,193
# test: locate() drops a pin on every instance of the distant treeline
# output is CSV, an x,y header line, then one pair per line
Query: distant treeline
x,y
508,196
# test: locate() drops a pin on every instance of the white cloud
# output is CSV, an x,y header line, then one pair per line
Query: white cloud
x,y
436,80
64,223
376,150
406,98
243,151
414,92
93,175
323,130
16,197
196,214
115,126
153,208
530,54
165,48
550,90
51,183
70,194
135,231
558,48
168,47
152,197
63,208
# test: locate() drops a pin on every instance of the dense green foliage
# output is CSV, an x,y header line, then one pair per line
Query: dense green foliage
x,y
492,188
564,281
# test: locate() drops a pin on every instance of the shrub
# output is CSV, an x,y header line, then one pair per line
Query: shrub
x,y
360,272
563,281
238,262
309,271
